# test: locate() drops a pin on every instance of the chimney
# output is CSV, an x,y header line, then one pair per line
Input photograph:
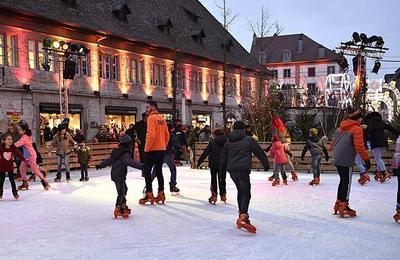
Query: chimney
x,y
300,44
254,40
321,52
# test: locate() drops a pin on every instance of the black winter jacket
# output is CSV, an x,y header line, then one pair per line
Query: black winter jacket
x,y
376,130
119,161
173,145
237,153
213,151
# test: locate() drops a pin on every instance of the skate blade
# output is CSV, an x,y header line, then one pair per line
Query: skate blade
x,y
175,194
246,227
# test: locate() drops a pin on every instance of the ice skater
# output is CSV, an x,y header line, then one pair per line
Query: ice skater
x,y
236,159
278,152
317,150
396,171
84,157
119,161
213,151
347,142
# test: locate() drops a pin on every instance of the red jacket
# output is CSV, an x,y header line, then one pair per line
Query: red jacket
x,y
7,158
278,152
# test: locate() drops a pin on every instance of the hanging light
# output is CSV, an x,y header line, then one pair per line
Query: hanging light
x,y
376,67
64,46
55,44
342,61
379,42
356,37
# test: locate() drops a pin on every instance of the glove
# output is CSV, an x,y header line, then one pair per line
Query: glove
x,y
97,167
367,165
302,158
327,158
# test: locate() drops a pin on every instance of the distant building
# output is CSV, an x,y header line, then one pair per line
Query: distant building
x,y
299,64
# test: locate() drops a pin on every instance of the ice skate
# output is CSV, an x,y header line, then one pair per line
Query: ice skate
x,y
127,209
24,186
149,197
160,198
244,222
346,211
68,177
44,172
45,184
314,182
86,178
120,211
82,179
16,197
57,178
397,215
364,179
294,176
173,189
223,198
32,178
378,176
213,199
336,207
271,178
276,182
285,181
385,176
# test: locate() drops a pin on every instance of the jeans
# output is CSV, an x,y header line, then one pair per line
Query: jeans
x,y
12,181
279,168
380,164
218,179
60,160
122,190
344,187
169,159
242,182
84,170
315,163
360,164
153,159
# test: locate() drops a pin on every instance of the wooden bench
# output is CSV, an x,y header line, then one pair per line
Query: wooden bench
x,y
296,149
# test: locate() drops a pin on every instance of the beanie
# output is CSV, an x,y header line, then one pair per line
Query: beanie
x,y
275,138
313,131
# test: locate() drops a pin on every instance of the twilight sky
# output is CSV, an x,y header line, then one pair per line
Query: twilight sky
x,y
327,22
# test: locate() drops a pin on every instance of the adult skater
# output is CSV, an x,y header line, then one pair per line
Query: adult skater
x,y
157,138
63,142
236,159
347,142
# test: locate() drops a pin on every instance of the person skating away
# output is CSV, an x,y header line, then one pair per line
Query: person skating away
x,y
119,161
29,153
157,138
347,142
278,152
7,154
169,158
396,172
84,158
63,142
236,159
317,150
213,151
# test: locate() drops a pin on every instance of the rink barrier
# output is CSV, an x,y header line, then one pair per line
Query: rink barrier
x,y
301,166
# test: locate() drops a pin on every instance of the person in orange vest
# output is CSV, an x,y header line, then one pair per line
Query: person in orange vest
x,y
157,138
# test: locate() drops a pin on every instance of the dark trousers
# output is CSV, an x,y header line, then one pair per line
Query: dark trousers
x,y
169,159
345,174
154,159
84,170
141,153
122,190
218,179
242,182
11,178
397,173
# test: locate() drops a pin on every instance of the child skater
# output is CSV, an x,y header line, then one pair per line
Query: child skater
x,y
84,157
317,149
396,171
213,151
30,154
278,152
236,159
7,153
119,161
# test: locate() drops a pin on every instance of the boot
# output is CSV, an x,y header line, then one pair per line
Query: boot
x,y
58,178
244,222
68,176
271,178
385,176
32,178
285,181
223,198
345,210
120,211
45,184
16,197
149,197
397,215
294,176
336,207
127,209
378,176
364,179
213,199
314,182
173,188
276,182
160,198
24,186
82,179
86,177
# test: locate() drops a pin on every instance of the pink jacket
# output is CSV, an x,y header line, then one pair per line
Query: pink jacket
x,y
278,152
26,142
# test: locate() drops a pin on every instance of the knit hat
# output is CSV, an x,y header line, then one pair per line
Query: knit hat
x,y
275,138
313,131
125,139
61,127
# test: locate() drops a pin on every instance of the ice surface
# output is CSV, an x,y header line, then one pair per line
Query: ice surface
x,y
75,221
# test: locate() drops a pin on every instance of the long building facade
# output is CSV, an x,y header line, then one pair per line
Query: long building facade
x,y
134,47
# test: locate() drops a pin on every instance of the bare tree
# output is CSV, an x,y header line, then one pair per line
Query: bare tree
x,y
263,27
227,15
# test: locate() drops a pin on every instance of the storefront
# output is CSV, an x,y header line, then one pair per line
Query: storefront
x,y
167,113
201,119
120,117
50,115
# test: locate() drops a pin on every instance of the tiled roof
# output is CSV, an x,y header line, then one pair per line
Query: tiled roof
x,y
187,17
275,46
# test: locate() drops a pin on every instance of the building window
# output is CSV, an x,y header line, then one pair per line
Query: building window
x,y
115,68
311,72
287,56
181,78
32,54
157,75
2,48
41,57
274,73
85,65
331,70
141,72
101,66
36,56
286,73
246,88
12,50
108,58
196,81
214,82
